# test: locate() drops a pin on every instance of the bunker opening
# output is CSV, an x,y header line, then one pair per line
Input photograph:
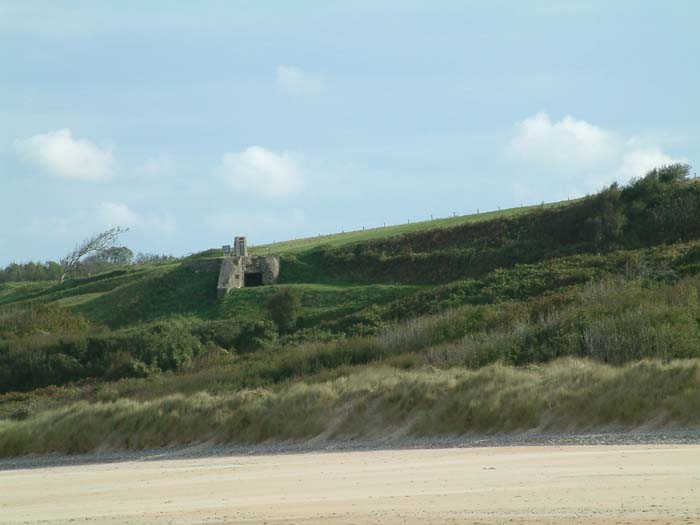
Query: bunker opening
x,y
252,279
238,269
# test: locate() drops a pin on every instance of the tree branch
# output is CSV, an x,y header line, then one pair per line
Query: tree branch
x,y
99,241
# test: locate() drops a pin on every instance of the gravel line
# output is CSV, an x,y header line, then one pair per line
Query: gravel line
x,y
652,437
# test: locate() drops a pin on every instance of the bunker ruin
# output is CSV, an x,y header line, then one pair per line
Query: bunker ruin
x,y
240,270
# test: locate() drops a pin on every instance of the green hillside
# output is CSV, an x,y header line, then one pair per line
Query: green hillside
x,y
339,239
128,296
575,315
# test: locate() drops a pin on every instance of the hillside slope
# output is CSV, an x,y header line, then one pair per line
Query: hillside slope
x,y
613,278
343,238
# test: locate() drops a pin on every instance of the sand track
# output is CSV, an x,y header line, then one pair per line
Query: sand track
x,y
534,484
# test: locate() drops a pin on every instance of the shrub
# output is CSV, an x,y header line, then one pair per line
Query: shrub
x,y
255,335
283,308
40,318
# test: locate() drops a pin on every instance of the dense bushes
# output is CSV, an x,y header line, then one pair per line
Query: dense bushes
x,y
20,321
613,320
662,207
42,359
240,336
37,361
517,294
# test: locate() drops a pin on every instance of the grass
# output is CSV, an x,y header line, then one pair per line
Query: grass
x,y
131,296
163,292
372,403
521,315
13,292
47,291
610,321
318,301
573,317
341,239
78,300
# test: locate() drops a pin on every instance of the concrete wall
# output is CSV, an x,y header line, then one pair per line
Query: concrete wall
x,y
229,276
268,266
233,270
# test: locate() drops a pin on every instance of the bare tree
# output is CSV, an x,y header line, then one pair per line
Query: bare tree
x,y
99,241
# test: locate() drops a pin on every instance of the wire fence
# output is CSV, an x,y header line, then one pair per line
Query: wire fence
x,y
454,218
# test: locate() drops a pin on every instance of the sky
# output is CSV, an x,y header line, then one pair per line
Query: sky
x,y
192,122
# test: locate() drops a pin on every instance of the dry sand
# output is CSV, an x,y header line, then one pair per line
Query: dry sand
x,y
535,484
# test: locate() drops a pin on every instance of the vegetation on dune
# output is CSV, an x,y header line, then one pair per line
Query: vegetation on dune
x,y
491,325
375,403
612,321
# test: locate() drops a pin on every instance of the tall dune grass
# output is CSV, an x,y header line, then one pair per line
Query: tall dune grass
x,y
377,402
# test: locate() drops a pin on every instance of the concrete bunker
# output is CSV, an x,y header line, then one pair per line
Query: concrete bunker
x,y
240,270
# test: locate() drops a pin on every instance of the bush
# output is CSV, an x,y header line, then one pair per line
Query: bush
x,y
39,319
232,335
283,308
33,362
255,335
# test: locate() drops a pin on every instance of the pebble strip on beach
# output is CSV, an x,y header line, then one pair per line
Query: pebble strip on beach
x,y
655,437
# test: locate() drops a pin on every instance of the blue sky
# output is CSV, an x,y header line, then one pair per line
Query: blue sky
x,y
192,122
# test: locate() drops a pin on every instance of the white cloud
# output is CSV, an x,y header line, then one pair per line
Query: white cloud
x,y
562,144
638,162
583,155
58,154
261,172
297,82
119,214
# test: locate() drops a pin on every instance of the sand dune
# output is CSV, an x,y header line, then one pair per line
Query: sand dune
x,y
543,485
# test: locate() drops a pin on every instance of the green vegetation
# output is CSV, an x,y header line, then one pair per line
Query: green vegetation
x,y
341,239
283,308
572,316
372,403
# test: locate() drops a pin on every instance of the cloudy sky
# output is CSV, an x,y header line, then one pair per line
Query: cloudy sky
x,y
191,122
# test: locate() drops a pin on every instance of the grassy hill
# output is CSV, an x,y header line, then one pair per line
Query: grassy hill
x,y
573,315
132,296
340,239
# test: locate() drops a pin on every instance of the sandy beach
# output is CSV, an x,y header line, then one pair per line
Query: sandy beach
x,y
530,484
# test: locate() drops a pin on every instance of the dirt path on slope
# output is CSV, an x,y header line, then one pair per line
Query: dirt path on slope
x,y
535,484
